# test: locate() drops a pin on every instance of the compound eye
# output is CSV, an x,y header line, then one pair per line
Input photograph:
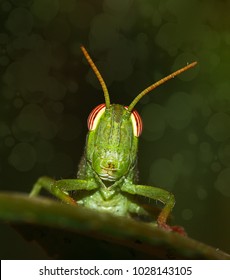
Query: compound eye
x,y
95,116
137,123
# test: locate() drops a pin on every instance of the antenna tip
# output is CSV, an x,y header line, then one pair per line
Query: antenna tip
x,y
82,48
194,63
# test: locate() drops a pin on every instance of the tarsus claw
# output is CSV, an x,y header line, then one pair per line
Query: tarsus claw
x,y
178,229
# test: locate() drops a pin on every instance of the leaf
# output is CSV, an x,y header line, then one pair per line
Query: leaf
x,y
69,232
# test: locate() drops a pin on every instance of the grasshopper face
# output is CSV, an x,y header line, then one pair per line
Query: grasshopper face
x,y
112,141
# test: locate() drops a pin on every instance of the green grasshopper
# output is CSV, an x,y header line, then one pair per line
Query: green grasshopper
x,y
107,175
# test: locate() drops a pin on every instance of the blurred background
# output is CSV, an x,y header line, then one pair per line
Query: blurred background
x,y
47,91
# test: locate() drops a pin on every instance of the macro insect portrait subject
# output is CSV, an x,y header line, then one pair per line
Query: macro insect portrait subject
x,y
106,178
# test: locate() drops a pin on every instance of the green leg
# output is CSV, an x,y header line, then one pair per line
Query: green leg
x,y
60,188
156,194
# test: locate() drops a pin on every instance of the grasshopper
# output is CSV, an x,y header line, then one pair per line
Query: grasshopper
x,y
106,179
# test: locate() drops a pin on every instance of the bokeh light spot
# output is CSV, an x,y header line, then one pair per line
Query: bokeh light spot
x,y
178,163
82,14
154,122
201,193
216,166
192,138
224,153
19,22
117,6
184,162
18,102
23,157
168,37
8,92
187,214
45,10
179,110
72,86
103,32
67,6
218,127
208,60
5,6
4,130
162,173
57,107
156,18
32,122
9,141
54,89
29,73
58,30
222,183
206,154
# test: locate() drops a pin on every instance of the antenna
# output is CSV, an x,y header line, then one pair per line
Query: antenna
x,y
98,75
160,82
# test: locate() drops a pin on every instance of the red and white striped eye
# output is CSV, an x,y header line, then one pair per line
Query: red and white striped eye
x,y
136,121
95,116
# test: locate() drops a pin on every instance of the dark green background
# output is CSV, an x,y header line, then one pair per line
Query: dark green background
x,y
47,91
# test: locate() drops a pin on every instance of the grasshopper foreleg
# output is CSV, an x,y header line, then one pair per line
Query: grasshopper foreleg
x,y
156,194
61,188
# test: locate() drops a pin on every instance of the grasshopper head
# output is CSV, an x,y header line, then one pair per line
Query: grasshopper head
x,y
112,140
